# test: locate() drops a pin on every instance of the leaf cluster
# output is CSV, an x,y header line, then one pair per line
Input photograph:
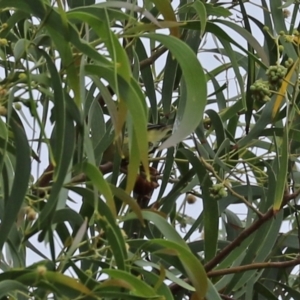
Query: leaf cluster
x,y
213,215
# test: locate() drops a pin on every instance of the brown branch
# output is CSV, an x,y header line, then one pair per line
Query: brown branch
x,y
150,60
239,239
254,266
45,179
243,235
247,232
141,183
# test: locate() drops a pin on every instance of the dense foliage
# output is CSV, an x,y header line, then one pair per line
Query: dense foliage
x,y
213,215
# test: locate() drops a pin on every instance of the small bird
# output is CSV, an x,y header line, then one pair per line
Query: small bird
x,y
156,133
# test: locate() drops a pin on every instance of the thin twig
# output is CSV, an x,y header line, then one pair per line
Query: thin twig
x,y
254,266
246,233
242,198
150,60
243,235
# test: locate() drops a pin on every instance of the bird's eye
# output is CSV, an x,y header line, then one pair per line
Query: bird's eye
x,y
150,145
169,132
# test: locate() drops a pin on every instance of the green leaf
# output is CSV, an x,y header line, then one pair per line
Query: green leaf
x,y
20,48
12,287
100,183
247,36
108,224
165,228
137,286
202,15
283,89
123,196
65,284
280,25
192,265
148,80
217,11
195,81
64,135
170,73
283,154
260,248
101,25
166,9
210,206
264,291
131,94
77,3
153,279
20,182
212,293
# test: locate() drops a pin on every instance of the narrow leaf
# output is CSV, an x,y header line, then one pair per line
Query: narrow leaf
x,y
192,265
281,181
166,9
101,184
20,183
195,81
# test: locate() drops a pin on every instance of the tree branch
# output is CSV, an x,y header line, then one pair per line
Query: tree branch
x,y
235,243
150,60
255,266
246,232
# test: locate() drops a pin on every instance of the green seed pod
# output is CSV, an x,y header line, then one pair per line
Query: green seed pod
x,y
18,106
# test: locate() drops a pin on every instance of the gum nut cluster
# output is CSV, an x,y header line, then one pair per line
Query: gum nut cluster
x,y
218,191
260,91
275,76
289,62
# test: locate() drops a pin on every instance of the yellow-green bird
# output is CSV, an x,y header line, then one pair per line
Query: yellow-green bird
x,y
156,134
